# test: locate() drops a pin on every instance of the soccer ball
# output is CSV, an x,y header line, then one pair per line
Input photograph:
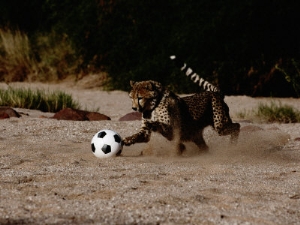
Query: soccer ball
x,y
106,143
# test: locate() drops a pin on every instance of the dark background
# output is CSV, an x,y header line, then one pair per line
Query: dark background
x,y
233,44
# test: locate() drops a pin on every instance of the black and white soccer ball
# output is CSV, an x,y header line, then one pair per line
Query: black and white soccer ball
x,y
106,143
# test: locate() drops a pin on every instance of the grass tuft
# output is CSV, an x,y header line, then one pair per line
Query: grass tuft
x,y
278,113
270,113
37,99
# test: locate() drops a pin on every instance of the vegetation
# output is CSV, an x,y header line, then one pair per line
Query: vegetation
x,y
278,113
292,74
238,45
273,112
37,99
51,58
16,56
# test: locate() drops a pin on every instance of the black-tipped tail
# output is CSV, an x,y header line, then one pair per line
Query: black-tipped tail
x,y
194,76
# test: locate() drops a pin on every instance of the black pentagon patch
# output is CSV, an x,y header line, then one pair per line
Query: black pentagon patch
x,y
106,149
93,148
117,138
101,134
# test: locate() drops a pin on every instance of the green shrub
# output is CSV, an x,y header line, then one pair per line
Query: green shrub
x,y
37,99
291,71
273,112
242,114
278,113
57,57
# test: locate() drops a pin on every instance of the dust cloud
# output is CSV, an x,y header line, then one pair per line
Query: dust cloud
x,y
251,147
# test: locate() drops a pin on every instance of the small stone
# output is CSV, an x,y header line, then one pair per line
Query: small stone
x,y
4,115
131,116
79,115
95,116
7,112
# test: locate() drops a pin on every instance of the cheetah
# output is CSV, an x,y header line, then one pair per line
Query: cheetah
x,y
182,119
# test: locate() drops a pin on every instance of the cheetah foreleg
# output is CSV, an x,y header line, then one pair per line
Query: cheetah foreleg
x,y
164,129
142,136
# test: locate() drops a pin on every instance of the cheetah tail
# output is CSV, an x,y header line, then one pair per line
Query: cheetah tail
x,y
194,76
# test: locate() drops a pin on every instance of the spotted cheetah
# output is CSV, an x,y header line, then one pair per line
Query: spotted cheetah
x,y
180,119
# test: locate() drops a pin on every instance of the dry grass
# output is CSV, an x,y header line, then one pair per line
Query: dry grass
x,y
16,58
57,56
51,57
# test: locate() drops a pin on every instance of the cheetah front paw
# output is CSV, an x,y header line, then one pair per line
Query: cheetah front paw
x,y
127,141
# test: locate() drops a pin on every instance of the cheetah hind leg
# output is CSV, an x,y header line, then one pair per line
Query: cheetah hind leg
x,y
180,148
235,131
199,141
232,129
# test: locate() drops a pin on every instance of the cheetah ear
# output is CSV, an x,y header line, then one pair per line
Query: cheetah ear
x,y
157,86
132,83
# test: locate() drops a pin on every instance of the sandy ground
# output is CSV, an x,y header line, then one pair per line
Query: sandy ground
x,y
48,174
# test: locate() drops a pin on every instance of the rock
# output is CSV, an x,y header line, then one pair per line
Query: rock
x,y
7,112
131,116
69,114
79,115
3,115
94,116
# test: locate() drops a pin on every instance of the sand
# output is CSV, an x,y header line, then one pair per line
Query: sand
x,y
48,174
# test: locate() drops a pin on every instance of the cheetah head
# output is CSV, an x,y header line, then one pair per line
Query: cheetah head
x,y
145,95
